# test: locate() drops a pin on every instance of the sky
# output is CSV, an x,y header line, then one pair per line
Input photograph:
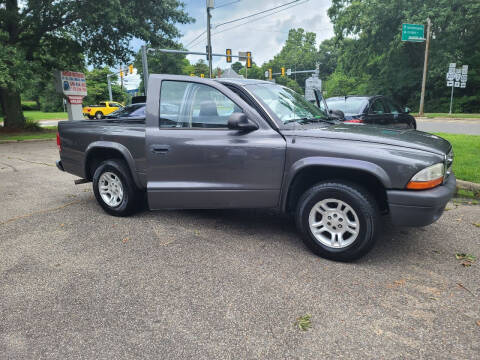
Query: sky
x,y
264,35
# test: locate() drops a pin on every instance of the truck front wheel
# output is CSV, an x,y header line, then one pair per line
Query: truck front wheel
x,y
98,115
114,188
338,220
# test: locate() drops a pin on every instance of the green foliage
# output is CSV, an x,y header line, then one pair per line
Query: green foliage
x,y
37,36
299,52
237,66
369,47
97,86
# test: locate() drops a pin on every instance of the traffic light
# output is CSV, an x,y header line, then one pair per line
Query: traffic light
x,y
121,74
229,55
283,71
130,69
192,74
249,59
269,74
202,75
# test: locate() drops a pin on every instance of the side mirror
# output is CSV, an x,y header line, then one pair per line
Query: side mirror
x,y
406,110
239,121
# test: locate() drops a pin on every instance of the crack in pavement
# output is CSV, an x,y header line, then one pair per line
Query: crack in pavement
x,y
43,211
31,162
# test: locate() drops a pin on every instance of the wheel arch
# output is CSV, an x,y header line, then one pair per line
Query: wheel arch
x,y
100,151
306,172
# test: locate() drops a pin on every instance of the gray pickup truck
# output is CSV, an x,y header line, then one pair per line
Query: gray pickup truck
x,y
231,143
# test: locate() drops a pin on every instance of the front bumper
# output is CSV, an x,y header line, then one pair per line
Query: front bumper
x,y
420,208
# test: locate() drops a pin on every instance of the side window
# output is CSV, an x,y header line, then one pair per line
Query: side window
x,y
172,94
377,108
193,105
394,108
103,104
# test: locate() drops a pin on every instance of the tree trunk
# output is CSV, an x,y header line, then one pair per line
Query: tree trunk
x,y
12,109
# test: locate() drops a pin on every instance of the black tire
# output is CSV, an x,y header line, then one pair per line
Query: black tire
x,y
360,200
132,197
98,115
414,124
91,117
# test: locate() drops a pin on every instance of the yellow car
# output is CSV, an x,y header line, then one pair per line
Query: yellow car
x,y
101,110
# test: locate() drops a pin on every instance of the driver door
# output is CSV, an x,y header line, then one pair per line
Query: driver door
x,y
195,161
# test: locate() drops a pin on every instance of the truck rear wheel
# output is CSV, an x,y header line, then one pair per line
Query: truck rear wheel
x,y
338,220
114,188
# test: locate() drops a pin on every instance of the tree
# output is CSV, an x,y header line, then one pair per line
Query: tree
x,y
97,86
299,53
368,34
101,30
237,66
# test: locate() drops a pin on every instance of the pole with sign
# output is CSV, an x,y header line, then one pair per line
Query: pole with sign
x,y
456,77
73,86
415,33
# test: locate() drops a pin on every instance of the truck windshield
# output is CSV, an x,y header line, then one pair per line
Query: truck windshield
x,y
286,104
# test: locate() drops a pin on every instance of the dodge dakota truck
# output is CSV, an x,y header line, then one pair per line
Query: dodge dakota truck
x,y
101,110
234,143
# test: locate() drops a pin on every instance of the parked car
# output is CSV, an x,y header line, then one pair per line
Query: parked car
x,y
238,143
101,110
133,111
378,110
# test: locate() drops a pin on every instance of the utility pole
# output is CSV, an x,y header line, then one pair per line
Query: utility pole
x,y
145,68
425,65
210,5
109,88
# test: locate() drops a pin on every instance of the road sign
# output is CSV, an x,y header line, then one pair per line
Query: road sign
x,y
289,72
413,32
457,84
450,76
452,65
242,56
464,78
463,85
464,69
449,83
266,74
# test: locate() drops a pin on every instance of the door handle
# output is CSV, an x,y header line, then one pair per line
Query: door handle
x,y
159,149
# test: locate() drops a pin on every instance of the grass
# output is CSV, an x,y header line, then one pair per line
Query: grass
x,y
447,115
467,160
304,322
33,115
48,133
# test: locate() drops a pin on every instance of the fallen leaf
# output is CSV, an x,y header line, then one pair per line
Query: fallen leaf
x,y
464,256
476,224
62,225
125,240
466,263
304,322
478,322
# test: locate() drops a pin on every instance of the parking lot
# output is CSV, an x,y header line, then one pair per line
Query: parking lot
x,y
77,283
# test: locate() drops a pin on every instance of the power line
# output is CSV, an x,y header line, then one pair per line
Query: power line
x,y
262,17
258,13
230,3
196,38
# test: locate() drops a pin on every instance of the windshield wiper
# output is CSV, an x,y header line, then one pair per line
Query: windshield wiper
x,y
306,120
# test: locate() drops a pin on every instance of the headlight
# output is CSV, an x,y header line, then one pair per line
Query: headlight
x,y
427,178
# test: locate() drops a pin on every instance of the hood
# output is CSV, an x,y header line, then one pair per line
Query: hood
x,y
407,138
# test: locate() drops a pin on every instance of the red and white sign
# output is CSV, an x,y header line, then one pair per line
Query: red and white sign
x,y
73,83
75,99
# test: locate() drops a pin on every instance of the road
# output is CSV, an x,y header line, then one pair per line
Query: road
x,y
461,126
76,283
457,126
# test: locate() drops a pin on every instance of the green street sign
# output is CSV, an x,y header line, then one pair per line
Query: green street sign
x,y
413,32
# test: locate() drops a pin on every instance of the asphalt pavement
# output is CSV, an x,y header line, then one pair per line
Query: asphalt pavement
x,y
76,283
452,126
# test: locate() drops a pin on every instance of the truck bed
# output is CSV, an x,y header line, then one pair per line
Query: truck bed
x,y
79,138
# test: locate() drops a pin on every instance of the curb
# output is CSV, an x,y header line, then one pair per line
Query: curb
x,y
22,141
467,185
421,118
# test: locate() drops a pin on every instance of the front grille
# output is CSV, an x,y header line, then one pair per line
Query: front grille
x,y
448,164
